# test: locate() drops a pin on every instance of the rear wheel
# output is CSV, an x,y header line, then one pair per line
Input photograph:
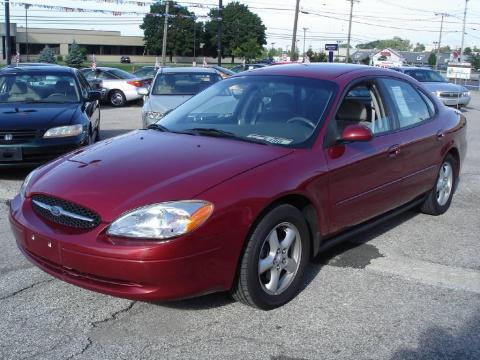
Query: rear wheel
x,y
117,98
274,261
440,197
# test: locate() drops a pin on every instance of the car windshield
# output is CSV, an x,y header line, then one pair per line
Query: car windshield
x,y
38,87
147,71
121,74
279,110
425,75
183,83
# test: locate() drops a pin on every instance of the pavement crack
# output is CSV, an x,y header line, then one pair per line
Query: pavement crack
x,y
84,349
114,315
25,289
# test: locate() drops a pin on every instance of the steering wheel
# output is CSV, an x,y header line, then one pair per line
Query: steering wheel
x,y
302,120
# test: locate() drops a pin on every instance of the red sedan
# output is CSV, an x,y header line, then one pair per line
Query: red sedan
x,y
240,186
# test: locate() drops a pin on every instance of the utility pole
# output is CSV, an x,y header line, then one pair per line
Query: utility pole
x,y
194,41
8,43
347,60
440,37
295,23
304,35
26,29
219,33
463,30
165,32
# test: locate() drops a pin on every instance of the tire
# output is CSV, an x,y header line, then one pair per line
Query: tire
x,y
438,200
260,289
117,98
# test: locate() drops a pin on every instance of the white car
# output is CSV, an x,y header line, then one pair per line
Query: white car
x,y
172,87
120,86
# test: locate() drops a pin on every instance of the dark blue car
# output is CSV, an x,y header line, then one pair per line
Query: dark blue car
x,y
45,111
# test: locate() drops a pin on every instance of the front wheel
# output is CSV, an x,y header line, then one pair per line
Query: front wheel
x,y
273,264
440,197
117,98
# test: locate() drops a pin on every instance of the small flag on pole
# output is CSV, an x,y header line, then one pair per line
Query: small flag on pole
x,y
157,63
307,59
94,63
243,62
205,62
17,58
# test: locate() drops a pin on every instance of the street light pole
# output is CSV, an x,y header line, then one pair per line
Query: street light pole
x,y
463,29
304,35
26,30
349,31
295,23
439,38
165,32
219,33
8,43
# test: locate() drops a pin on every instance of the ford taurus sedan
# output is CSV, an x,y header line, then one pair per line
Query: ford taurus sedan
x,y
237,188
45,111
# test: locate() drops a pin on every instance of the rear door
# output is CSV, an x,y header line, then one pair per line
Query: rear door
x,y
419,134
363,176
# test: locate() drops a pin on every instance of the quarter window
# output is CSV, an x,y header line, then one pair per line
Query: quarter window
x,y
409,105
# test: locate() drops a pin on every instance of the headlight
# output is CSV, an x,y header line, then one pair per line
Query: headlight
x,y
152,116
162,221
64,131
466,93
437,93
23,188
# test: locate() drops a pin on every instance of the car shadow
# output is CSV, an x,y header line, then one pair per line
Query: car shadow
x,y
356,251
19,173
107,134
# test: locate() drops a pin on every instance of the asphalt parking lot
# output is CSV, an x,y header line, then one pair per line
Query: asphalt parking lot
x,y
409,289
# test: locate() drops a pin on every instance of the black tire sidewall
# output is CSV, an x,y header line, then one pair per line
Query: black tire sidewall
x,y
283,213
124,101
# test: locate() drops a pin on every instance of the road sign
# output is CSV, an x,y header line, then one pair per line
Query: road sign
x,y
331,47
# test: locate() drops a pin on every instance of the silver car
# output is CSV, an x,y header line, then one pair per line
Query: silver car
x,y
172,87
450,94
120,86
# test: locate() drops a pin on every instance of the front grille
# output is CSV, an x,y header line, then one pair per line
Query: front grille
x,y
17,136
450,94
64,212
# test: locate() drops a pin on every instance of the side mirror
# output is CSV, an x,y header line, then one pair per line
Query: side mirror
x,y
94,95
353,133
143,91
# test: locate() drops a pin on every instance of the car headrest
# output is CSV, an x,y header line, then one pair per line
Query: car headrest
x,y
19,87
352,110
282,102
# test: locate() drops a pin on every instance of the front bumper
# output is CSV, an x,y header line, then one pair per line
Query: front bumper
x,y
42,151
454,101
147,272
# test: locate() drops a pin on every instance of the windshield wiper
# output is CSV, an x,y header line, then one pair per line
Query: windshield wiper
x,y
158,127
224,134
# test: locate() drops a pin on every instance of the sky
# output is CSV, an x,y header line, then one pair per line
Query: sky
x,y
326,20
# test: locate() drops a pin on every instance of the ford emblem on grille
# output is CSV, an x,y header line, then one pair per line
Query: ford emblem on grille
x,y
8,137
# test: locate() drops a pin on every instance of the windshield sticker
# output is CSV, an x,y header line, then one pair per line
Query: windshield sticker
x,y
401,103
271,139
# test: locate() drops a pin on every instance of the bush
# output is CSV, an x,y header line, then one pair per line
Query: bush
x,y
59,58
47,56
75,57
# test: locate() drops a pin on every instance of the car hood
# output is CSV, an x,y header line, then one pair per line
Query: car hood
x,y
21,116
444,86
146,167
163,103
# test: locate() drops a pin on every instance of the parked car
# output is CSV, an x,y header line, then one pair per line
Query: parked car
x,y
172,87
125,60
120,86
240,68
146,73
238,187
46,111
450,94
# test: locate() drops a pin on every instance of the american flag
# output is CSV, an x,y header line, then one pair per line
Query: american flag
x,y
157,63
205,62
17,58
94,63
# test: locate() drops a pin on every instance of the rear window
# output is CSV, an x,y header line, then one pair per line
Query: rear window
x,y
121,74
182,83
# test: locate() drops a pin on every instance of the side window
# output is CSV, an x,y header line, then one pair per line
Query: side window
x,y
90,75
409,105
362,106
83,84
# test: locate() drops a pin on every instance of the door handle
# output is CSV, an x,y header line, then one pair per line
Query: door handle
x,y
440,134
393,151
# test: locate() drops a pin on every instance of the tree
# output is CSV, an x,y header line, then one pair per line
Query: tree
x,y
475,61
181,24
419,47
47,56
467,51
432,59
366,61
445,49
249,50
396,43
75,57
239,26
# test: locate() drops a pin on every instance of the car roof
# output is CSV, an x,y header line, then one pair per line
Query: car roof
x,y
37,68
188,69
327,71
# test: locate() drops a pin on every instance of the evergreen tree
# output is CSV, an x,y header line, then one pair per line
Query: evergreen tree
x,y
47,56
75,57
432,59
